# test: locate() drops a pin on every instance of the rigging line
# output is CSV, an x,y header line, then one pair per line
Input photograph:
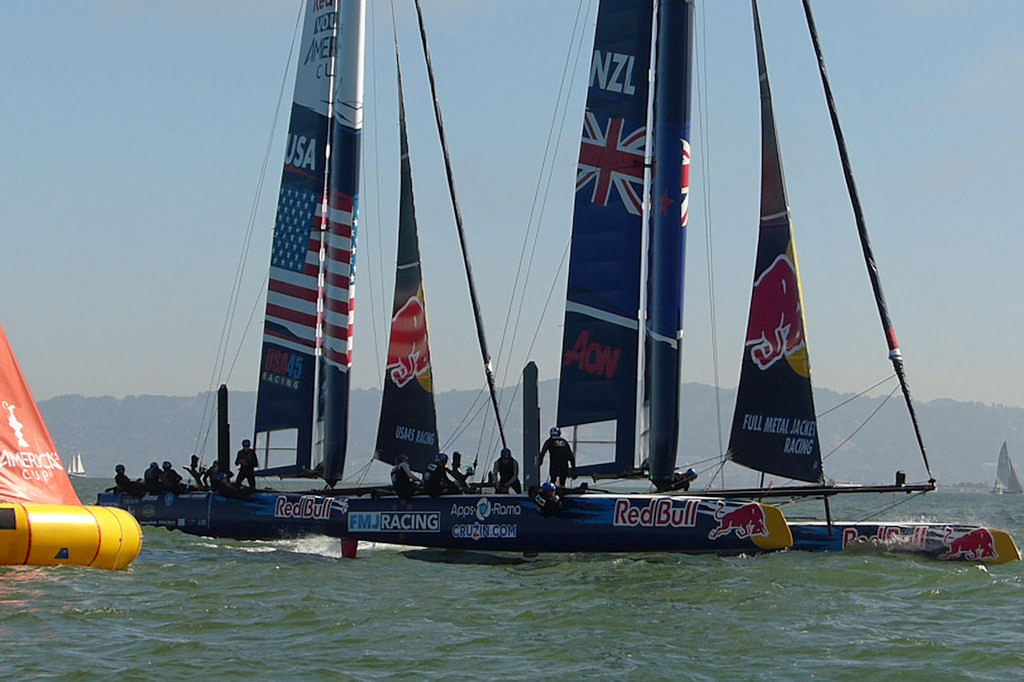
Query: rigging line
x,y
542,188
486,356
855,397
862,425
376,285
247,241
572,56
895,355
703,97
547,301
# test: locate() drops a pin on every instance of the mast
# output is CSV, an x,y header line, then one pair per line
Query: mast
x,y
667,245
488,371
340,243
895,356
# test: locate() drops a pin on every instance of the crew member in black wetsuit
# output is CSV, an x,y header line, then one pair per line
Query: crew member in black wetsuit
x,y
151,478
246,461
546,499
561,457
436,479
125,485
506,473
222,485
404,480
170,480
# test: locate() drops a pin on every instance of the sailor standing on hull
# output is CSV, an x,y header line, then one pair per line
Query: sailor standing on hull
x,y
562,457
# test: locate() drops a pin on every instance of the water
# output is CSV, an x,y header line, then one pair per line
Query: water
x,y
193,608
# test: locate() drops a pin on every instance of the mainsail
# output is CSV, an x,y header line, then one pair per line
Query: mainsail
x,y
774,429
309,303
408,419
1006,475
601,342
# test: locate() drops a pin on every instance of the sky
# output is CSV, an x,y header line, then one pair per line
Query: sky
x,y
135,135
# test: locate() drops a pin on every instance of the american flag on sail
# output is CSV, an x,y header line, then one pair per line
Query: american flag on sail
x,y
338,298
612,157
294,270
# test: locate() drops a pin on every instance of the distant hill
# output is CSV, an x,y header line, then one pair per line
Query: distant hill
x,y
962,439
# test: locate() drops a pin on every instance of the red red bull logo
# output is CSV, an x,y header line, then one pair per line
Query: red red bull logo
x,y
408,352
746,521
776,327
975,544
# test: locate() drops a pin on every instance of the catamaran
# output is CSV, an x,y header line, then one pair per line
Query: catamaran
x,y
305,361
621,351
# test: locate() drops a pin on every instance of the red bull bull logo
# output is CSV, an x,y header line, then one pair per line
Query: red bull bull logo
x,y
973,545
746,521
408,352
776,326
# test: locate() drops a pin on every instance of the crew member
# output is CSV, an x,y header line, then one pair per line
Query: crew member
x,y
562,457
246,462
151,478
546,499
436,479
123,484
404,480
506,473
170,480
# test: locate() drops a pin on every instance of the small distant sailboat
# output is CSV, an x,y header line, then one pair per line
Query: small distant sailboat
x,y
1006,475
76,468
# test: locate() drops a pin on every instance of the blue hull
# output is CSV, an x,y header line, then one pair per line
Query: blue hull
x,y
587,523
934,540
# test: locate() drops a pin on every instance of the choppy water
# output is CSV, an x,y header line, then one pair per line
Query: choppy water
x,y
192,608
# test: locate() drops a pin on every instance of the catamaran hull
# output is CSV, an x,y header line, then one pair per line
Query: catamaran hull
x,y
935,540
587,523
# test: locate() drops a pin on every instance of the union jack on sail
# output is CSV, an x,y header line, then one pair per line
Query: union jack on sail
x,y
612,157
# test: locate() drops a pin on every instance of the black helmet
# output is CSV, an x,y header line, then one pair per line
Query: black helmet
x,y
245,443
401,458
442,458
119,468
167,465
505,452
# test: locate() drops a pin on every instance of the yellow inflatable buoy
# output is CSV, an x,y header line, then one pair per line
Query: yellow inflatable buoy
x,y
42,521
55,534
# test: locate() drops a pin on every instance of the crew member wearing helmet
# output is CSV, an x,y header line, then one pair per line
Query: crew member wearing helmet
x,y
546,499
151,478
246,462
170,480
562,457
403,479
506,473
436,479
123,484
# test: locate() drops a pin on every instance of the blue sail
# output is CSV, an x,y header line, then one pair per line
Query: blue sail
x,y
287,382
340,256
601,332
670,182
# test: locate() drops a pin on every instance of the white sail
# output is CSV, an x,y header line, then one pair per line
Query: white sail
x,y
1006,475
76,468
